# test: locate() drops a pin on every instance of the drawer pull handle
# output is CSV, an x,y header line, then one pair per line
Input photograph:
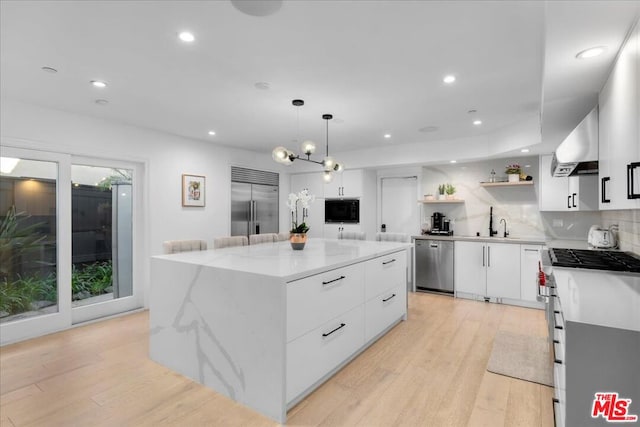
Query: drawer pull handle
x,y
555,324
385,300
555,356
342,325
389,262
334,280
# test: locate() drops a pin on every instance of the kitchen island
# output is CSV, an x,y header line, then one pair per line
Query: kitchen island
x,y
265,325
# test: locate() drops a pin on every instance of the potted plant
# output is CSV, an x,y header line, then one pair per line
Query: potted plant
x,y
298,232
441,189
513,172
450,190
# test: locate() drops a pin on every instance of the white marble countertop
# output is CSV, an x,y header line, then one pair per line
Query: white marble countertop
x,y
603,298
280,260
514,240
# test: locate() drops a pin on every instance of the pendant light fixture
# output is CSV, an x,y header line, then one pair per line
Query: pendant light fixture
x,y
286,157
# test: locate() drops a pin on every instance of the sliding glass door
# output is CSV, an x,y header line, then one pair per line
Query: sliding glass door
x,y
67,239
34,238
102,219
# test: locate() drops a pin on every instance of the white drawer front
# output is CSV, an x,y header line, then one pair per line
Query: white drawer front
x,y
384,273
384,309
314,300
316,353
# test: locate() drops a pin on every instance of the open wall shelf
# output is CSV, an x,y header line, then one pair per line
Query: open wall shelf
x,y
505,184
441,201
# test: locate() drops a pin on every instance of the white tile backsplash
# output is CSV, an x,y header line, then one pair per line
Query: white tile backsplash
x,y
628,227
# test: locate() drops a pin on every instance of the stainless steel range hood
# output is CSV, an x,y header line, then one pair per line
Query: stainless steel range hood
x,y
578,153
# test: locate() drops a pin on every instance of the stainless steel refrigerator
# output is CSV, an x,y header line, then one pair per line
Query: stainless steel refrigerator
x,y
254,209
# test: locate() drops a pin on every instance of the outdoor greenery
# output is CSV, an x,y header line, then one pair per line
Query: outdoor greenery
x,y
19,295
91,279
20,292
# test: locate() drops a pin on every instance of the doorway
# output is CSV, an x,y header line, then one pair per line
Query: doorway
x,y
68,233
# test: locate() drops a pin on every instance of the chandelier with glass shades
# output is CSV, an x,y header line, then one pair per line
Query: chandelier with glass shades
x,y
286,157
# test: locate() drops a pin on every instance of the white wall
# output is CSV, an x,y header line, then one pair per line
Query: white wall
x,y
165,157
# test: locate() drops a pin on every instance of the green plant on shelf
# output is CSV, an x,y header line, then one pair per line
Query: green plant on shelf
x,y
513,169
450,189
442,188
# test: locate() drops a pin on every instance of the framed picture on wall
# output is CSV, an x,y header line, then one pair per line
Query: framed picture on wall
x,y
193,190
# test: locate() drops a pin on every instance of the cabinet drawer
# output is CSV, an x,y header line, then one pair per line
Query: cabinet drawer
x,y
384,273
384,309
314,300
316,353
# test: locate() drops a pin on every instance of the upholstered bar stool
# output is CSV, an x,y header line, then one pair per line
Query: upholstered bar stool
x,y
227,242
392,237
256,239
352,235
283,236
175,246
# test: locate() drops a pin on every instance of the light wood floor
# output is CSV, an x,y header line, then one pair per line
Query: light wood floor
x,y
428,371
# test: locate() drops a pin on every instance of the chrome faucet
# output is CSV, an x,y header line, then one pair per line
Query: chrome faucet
x,y
506,233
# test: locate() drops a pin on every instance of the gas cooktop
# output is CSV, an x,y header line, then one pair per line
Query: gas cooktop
x,y
595,259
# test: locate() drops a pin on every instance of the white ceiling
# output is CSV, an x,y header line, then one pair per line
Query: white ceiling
x,y
377,66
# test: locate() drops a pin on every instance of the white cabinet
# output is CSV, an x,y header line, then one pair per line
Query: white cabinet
x,y
619,130
316,299
331,231
529,258
574,193
348,183
489,270
315,212
318,352
469,261
337,313
503,270
385,292
315,218
310,181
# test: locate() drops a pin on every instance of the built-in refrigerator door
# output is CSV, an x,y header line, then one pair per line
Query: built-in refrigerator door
x,y
240,209
265,209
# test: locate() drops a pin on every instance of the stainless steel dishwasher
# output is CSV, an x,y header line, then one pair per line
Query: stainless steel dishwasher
x,y
434,265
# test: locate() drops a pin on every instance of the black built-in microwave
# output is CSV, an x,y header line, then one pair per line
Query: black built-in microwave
x,y
342,210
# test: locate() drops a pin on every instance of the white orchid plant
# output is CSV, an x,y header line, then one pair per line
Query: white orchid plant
x,y
304,199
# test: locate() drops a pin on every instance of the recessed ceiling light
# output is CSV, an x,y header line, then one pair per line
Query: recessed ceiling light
x,y
211,133
101,101
98,83
477,122
49,70
527,166
186,37
452,161
449,79
524,150
591,52
387,135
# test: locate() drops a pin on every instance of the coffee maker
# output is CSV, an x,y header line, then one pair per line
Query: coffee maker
x,y
440,225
